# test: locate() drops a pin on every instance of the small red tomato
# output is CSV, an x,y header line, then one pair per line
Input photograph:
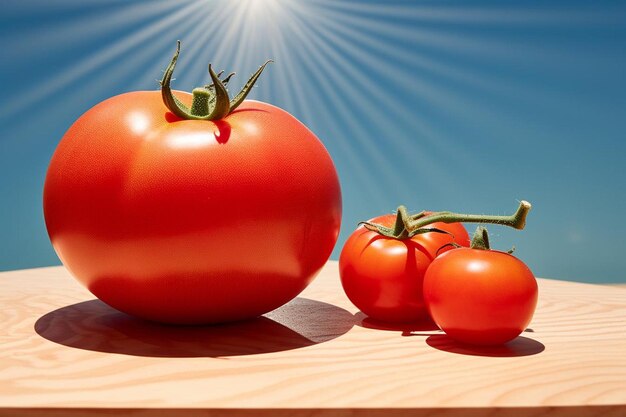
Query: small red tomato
x,y
382,264
382,275
480,297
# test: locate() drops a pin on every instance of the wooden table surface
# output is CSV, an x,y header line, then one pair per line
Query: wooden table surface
x,y
62,353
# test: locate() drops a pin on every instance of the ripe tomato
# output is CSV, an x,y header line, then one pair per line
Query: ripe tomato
x,y
191,221
481,297
382,276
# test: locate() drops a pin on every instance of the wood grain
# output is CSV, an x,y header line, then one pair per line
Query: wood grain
x,y
62,353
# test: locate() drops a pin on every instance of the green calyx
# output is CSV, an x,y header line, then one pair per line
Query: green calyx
x,y
407,226
210,102
480,239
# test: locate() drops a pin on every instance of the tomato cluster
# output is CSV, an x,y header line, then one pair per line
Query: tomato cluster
x,y
195,208
417,267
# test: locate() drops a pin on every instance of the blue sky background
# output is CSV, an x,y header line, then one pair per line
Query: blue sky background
x,y
460,105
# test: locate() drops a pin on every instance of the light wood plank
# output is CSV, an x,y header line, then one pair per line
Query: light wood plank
x,y
63,353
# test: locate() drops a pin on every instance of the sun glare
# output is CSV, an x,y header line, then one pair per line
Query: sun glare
x,y
259,8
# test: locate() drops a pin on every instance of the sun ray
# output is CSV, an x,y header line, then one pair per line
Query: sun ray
x,y
193,63
444,98
342,110
296,94
442,39
150,59
286,79
206,47
361,84
503,15
227,37
93,62
366,47
39,40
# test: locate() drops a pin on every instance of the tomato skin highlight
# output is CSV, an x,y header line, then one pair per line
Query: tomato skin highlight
x,y
191,221
383,276
480,297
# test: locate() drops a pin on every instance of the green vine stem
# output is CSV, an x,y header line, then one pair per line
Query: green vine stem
x,y
407,226
516,220
210,102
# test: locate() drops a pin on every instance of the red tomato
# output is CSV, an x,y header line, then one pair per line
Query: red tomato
x,y
481,297
382,276
191,221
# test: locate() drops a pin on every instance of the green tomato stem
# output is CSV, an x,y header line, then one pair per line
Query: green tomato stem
x,y
200,102
516,220
210,102
407,226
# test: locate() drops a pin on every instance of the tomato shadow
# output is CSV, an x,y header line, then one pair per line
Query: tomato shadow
x,y
93,325
520,346
407,329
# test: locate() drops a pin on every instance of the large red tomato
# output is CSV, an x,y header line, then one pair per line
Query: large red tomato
x,y
191,221
383,275
481,297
